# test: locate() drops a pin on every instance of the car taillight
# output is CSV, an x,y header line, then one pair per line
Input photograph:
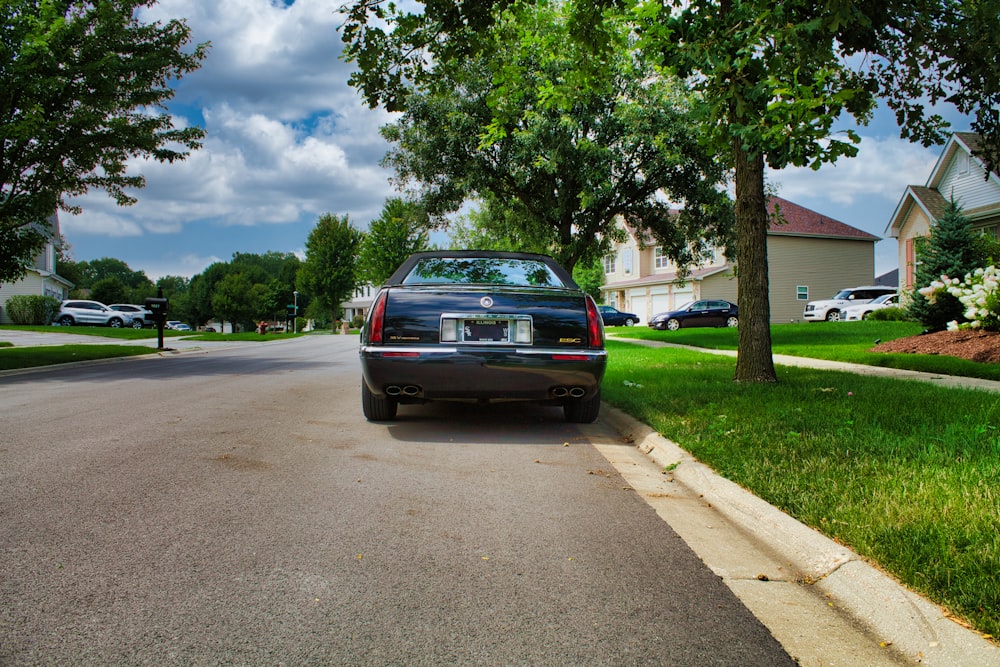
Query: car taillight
x,y
595,325
376,319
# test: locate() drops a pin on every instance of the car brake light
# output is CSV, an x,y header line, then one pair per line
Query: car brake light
x,y
376,320
595,325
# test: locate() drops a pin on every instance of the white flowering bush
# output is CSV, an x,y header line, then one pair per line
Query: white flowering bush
x,y
979,294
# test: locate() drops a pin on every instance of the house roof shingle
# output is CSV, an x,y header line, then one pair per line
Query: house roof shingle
x,y
798,220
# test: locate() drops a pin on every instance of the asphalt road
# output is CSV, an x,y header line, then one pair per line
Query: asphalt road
x,y
235,508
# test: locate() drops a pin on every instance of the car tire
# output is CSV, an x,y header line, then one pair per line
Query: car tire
x,y
673,324
115,323
377,409
629,322
137,324
66,321
865,316
583,410
732,322
833,315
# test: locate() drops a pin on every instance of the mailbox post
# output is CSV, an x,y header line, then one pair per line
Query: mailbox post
x,y
158,306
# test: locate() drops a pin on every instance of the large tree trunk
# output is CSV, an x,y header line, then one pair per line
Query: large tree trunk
x,y
754,362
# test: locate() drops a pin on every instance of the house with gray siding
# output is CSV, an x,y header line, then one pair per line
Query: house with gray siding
x,y
958,175
810,256
41,278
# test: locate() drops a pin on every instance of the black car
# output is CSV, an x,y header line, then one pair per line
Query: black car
x,y
480,326
615,318
704,313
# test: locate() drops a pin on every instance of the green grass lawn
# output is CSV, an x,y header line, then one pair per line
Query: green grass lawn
x,y
905,473
834,341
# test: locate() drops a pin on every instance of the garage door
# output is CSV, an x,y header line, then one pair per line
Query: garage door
x,y
639,308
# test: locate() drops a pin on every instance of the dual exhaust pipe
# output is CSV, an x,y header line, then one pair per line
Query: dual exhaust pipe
x,y
407,390
563,392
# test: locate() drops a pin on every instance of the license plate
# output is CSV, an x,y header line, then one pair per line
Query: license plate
x,y
486,331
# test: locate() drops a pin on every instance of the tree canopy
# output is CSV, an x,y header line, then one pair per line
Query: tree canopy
x,y
400,231
769,81
562,171
328,273
83,85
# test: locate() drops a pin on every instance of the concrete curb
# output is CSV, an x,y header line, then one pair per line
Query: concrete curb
x,y
914,626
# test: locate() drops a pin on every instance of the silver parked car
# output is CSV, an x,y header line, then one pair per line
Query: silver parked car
x,y
140,316
78,311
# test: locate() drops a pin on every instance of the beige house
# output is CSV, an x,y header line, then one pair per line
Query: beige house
x,y
41,277
810,256
957,175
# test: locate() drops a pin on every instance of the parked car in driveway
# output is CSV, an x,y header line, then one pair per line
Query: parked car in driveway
x,y
482,326
613,317
140,316
83,312
703,313
861,311
180,326
829,309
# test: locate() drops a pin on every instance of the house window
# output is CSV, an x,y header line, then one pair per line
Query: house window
x,y
627,260
660,259
963,163
802,292
609,264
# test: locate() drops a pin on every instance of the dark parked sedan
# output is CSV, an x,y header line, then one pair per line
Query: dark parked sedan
x,y
615,318
704,313
480,326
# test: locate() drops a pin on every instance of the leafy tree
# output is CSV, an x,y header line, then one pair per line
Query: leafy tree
x,y
236,299
952,250
80,85
328,273
493,226
199,307
397,233
109,290
770,80
561,170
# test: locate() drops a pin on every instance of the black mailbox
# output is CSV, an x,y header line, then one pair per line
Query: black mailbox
x,y
157,306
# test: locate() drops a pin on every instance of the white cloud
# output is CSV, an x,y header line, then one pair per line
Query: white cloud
x,y
883,167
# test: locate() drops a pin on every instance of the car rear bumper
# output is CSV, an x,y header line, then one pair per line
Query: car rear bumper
x,y
473,372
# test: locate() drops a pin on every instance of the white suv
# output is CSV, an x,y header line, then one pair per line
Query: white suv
x,y
76,311
829,309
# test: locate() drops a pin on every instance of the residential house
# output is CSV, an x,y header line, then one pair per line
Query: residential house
x,y
810,256
41,277
359,303
958,176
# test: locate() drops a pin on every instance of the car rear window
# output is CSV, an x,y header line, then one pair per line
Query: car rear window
x,y
482,271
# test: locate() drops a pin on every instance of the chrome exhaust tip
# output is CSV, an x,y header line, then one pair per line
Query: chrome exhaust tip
x,y
577,392
411,390
393,390
559,392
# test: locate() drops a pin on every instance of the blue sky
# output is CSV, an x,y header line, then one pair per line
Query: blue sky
x,y
288,140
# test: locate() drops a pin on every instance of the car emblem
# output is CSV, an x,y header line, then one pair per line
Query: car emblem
x,y
486,302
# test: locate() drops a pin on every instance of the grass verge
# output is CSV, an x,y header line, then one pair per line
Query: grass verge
x,y
29,357
834,341
905,473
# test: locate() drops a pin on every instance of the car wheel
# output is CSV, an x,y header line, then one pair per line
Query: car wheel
x,y
732,322
629,322
583,410
136,324
673,324
66,321
115,323
865,316
377,409
833,315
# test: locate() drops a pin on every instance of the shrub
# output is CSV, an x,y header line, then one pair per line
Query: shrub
x,y
32,309
357,322
979,294
890,314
